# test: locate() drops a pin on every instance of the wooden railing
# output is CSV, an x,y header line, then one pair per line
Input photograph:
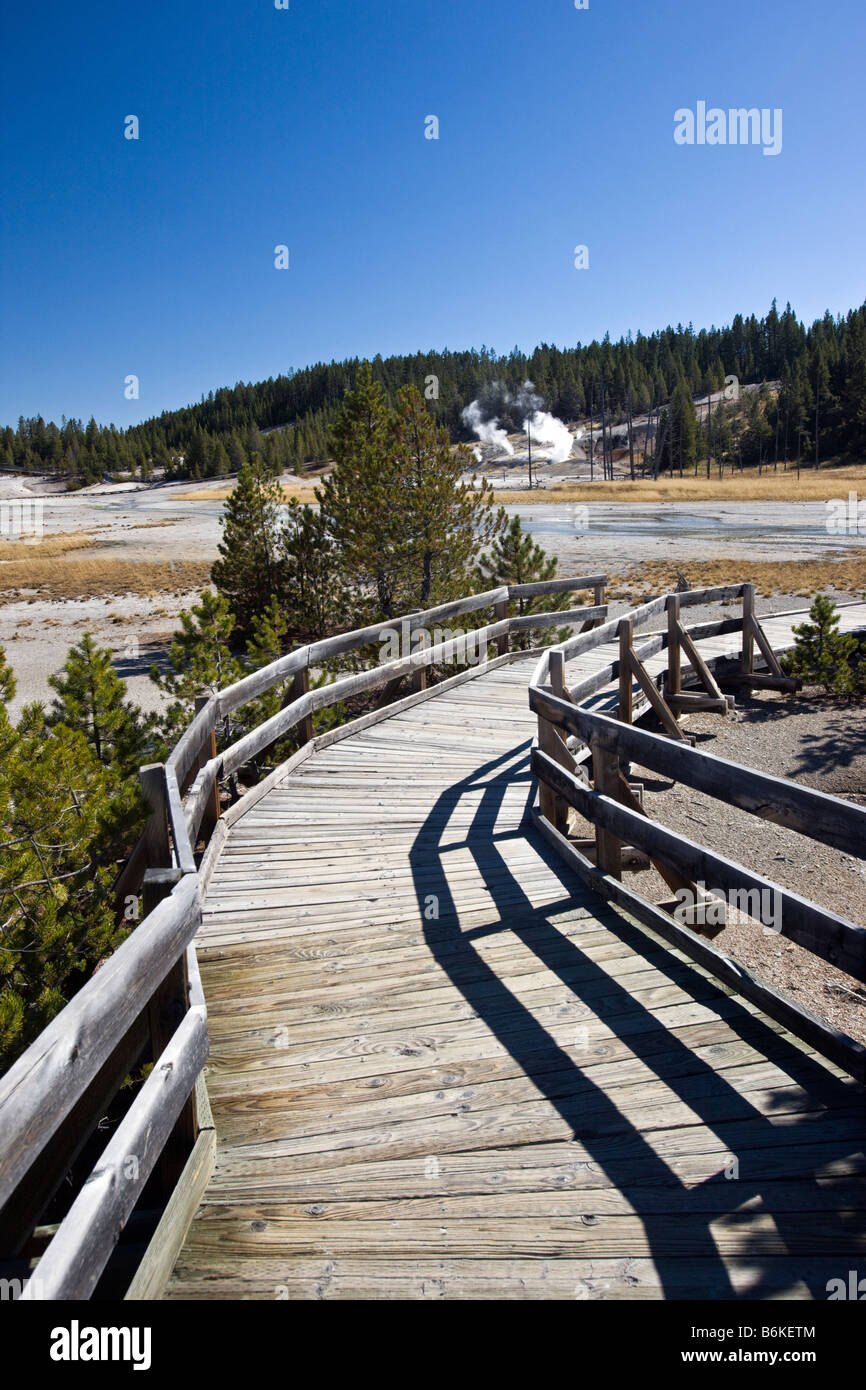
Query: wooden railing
x,y
613,806
146,1001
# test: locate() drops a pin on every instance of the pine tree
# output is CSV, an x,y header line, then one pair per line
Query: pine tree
x,y
247,575
854,391
405,525
313,594
360,499
267,644
91,698
514,558
66,820
200,662
445,521
822,654
236,452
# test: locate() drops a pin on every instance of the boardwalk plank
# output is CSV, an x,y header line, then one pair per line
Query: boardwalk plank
x,y
526,1096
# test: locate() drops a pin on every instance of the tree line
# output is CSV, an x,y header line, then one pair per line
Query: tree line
x,y
288,420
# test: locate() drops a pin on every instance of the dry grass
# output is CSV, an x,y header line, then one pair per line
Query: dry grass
x,y
802,578
76,579
301,493
748,487
45,548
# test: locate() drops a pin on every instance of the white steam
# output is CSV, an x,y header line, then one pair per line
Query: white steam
x,y
482,416
488,431
544,428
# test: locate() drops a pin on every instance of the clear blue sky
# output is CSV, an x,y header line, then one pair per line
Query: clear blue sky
x,y
261,126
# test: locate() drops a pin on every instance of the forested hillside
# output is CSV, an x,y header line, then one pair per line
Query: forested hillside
x,y
288,419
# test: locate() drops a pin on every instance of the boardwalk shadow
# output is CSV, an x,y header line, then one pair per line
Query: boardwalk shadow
x,y
759,1209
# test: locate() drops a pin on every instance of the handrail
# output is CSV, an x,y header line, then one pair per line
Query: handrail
x,y
639,617
813,813
41,1087
619,818
185,821
53,1096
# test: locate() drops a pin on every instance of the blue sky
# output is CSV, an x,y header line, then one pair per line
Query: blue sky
x,y
305,127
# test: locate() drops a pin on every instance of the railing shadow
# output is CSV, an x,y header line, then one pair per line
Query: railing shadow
x,y
770,1156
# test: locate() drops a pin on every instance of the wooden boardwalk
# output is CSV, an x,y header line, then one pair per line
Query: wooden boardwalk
x,y
442,1067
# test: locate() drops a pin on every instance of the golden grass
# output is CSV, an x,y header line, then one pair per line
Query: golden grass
x,y
302,493
801,578
45,548
76,579
748,487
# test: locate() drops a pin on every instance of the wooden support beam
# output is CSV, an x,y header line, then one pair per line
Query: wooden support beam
x,y
766,650
158,846
755,679
625,708
556,666
208,751
687,700
633,859
748,654
674,673
674,880
605,776
301,687
419,677
386,696
500,614
598,602
660,709
697,662
550,742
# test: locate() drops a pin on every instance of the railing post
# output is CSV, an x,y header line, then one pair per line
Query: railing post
x,y
748,661
500,614
605,776
419,675
301,686
598,601
158,847
208,751
556,667
674,681
550,740
626,637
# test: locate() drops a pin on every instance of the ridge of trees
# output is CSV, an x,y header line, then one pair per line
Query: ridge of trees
x,y
288,419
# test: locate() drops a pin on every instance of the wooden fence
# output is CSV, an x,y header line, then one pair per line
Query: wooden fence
x,y
613,806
